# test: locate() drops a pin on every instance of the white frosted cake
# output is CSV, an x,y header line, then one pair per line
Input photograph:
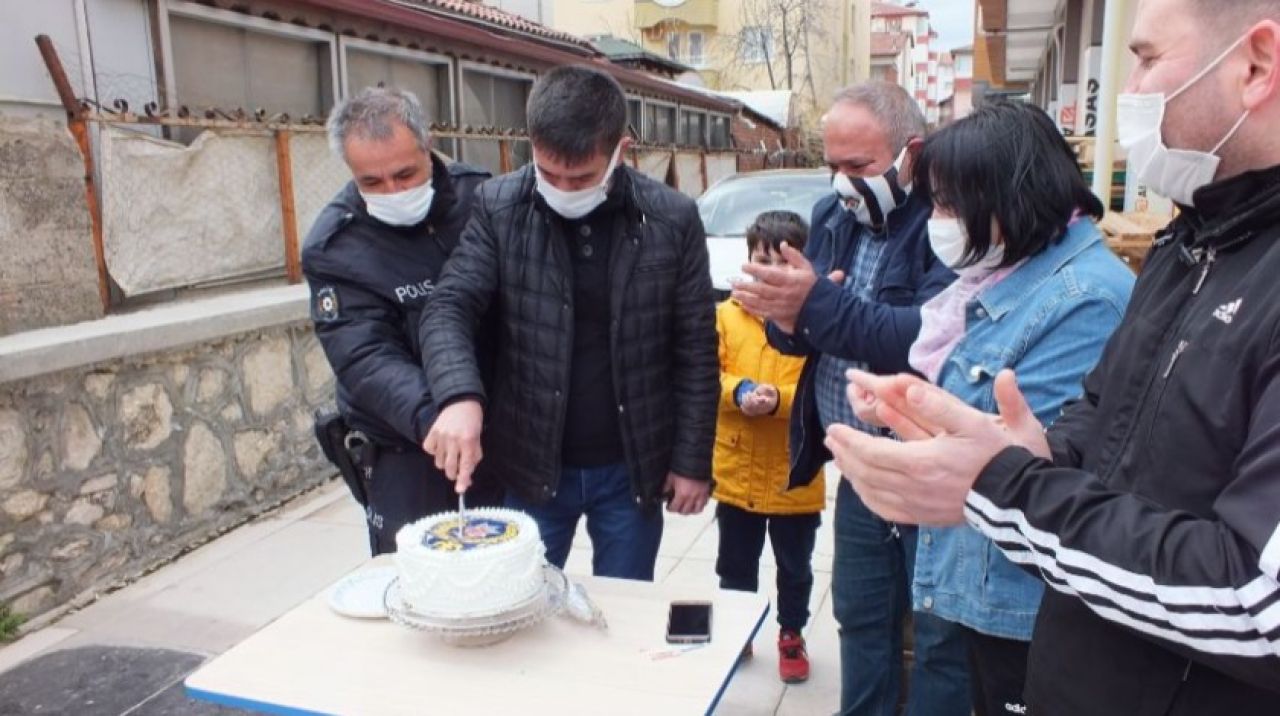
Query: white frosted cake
x,y
490,565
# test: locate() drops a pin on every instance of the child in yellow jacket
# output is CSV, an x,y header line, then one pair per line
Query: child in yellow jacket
x,y
757,385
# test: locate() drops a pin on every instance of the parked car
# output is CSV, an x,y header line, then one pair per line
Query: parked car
x,y
729,207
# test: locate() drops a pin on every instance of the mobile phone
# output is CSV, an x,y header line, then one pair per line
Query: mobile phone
x,y
689,623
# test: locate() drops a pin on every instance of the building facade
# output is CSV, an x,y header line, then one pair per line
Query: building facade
x,y
905,50
584,18
1051,51
469,64
961,100
1054,53
809,47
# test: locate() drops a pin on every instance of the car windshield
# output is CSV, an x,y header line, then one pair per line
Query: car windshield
x,y
729,208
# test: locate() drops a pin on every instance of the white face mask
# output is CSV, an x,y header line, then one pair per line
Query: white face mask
x,y
403,208
577,204
949,241
871,199
1172,173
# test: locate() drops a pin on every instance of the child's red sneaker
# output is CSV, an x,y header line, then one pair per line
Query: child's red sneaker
x,y
793,659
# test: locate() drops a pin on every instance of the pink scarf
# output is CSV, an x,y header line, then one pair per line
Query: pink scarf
x,y
942,318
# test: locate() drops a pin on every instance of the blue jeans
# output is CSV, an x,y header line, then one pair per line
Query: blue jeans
x,y
624,539
871,593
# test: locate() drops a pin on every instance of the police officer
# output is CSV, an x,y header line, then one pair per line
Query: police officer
x,y
371,260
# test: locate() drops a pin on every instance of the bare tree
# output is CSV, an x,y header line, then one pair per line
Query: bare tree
x,y
754,42
781,35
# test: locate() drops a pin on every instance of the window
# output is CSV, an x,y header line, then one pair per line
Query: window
x,y
693,128
635,117
696,56
673,45
426,76
755,44
720,134
429,81
659,123
258,66
492,99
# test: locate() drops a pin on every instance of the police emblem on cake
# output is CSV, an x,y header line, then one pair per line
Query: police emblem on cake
x,y
452,536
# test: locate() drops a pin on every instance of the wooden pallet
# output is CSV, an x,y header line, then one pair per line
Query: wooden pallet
x,y
1130,235
1084,149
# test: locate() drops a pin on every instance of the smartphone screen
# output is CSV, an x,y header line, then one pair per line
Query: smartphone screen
x,y
689,622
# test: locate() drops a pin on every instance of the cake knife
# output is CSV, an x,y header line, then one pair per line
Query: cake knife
x,y
462,513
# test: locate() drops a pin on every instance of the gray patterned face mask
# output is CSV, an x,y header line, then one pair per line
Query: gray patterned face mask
x,y
871,199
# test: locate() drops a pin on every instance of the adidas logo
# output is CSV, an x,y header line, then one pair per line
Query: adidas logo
x,y
1227,311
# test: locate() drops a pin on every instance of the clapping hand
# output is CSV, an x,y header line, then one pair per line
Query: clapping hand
x,y
779,292
925,478
863,401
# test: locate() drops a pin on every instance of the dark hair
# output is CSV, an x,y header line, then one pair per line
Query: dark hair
x,y
575,111
772,228
1006,161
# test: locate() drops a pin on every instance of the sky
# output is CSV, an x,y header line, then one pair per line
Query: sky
x,y
953,19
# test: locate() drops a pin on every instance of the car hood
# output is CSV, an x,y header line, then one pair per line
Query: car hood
x,y
728,254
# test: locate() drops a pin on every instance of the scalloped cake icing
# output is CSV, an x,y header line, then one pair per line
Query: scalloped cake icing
x,y
495,563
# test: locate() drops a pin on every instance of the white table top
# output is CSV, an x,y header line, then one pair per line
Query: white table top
x,y
313,661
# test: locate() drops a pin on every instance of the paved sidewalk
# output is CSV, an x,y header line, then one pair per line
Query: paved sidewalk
x,y
128,652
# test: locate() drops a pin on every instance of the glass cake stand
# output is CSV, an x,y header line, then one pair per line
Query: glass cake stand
x,y
557,595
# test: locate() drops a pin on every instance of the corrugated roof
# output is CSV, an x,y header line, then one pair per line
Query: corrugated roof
x,y
618,50
501,18
774,104
888,9
425,17
731,99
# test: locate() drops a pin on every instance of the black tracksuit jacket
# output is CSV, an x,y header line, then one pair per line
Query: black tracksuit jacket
x,y
1156,523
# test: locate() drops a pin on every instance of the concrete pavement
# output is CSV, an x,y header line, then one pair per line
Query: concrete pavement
x,y
137,644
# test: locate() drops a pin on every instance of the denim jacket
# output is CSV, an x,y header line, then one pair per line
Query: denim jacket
x,y
1049,321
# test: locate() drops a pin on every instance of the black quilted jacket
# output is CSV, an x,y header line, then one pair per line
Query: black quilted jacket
x,y
509,268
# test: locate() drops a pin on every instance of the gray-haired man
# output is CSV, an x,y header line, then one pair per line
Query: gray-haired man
x,y
853,300
372,259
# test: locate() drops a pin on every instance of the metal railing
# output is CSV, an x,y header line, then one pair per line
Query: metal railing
x,y
305,177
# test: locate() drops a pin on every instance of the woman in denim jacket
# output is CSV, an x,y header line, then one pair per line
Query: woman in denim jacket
x,y
1038,292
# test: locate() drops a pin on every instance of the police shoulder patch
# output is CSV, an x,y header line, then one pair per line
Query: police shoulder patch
x,y
325,308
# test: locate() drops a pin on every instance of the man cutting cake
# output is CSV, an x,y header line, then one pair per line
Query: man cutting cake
x,y
371,260
594,279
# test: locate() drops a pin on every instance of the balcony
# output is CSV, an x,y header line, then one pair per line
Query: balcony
x,y
696,13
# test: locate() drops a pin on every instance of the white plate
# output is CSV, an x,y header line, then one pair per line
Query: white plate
x,y
363,595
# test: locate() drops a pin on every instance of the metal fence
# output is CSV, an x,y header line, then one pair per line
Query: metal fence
x,y
182,199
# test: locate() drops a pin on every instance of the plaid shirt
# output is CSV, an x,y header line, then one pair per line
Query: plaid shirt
x,y
829,378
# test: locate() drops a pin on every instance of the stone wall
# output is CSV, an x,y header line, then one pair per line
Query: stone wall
x,y
48,277
108,470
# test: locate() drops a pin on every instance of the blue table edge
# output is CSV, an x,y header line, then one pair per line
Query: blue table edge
x,y
764,614
264,707
248,704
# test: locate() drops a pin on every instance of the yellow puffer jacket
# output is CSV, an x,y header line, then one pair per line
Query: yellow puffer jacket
x,y
751,463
